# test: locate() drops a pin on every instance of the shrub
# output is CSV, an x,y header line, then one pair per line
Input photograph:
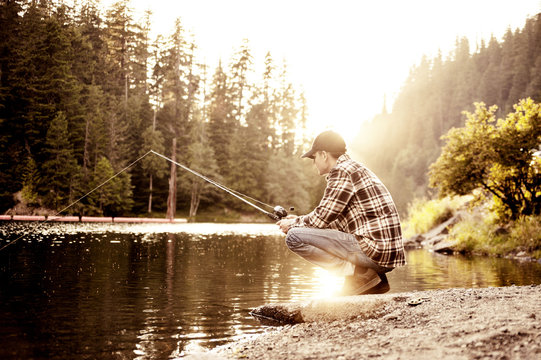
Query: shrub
x,y
495,156
526,235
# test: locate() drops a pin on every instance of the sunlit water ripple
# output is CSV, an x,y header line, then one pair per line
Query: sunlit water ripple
x,y
73,291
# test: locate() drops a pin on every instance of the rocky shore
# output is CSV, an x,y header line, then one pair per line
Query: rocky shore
x,y
480,323
437,238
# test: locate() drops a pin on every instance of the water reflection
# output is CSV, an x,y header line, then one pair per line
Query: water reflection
x,y
72,291
427,271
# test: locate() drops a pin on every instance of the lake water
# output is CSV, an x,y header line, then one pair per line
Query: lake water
x,y
159,291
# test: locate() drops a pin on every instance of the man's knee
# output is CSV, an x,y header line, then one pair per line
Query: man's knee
x,y
293,238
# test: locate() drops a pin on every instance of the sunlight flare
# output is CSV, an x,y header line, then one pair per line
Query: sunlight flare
x,y
326,284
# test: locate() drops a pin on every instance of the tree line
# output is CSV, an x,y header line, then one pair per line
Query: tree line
x,y
401,144
85,91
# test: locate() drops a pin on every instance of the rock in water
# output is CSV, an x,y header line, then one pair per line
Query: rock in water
x,y
278,314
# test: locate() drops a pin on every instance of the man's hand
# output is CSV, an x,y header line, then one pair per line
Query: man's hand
x,y
285,223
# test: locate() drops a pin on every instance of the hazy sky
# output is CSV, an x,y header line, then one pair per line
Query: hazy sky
x,y
345,54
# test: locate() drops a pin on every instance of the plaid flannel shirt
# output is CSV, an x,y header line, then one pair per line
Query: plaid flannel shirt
x,y
356,202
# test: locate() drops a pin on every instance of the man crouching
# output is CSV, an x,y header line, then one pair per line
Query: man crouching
x,y
355,230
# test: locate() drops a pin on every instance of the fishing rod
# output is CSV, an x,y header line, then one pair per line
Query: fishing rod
x,y
278,211
277,214
76,201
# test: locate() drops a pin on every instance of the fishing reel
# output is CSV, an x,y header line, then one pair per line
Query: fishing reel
x,y
279,213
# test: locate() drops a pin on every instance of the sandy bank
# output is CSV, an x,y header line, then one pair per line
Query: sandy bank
x,y
488,323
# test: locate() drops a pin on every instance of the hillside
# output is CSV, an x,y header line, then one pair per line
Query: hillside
x,y
400,145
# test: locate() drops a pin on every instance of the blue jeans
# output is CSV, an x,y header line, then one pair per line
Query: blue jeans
x,y
333,250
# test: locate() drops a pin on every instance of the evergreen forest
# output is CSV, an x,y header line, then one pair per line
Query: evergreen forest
x,y
84,91
400,145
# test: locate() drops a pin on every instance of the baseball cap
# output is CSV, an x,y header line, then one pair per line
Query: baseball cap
x,y
327,141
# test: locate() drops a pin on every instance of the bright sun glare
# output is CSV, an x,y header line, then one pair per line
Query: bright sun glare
x,y
326,284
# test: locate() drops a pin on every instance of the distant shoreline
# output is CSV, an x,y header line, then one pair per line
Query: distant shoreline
x,y
94,219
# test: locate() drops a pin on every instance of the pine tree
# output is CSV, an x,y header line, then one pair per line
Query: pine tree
x,y
521,66
30,183
302,122
221,123
506,72
121,37
140,112
126,64
286,113
534,87
60,169
113,196
179,85
45,82
35,109
488,85
241,66
153,166
201,160
96,135
12,146
256,139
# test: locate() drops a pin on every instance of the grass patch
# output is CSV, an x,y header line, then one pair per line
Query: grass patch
x,y
473,235
484,236
424,214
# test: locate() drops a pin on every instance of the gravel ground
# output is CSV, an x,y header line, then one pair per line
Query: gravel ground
x,y
480,323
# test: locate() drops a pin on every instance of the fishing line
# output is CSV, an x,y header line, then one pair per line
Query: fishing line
x,y
81,198
213,182
277,214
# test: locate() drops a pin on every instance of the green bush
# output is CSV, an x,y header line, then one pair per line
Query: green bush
x,y
495,156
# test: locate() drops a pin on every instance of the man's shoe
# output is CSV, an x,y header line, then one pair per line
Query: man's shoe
x,y
380,288
361,282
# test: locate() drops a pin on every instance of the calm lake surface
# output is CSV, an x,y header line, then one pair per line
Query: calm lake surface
x,y
159,291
